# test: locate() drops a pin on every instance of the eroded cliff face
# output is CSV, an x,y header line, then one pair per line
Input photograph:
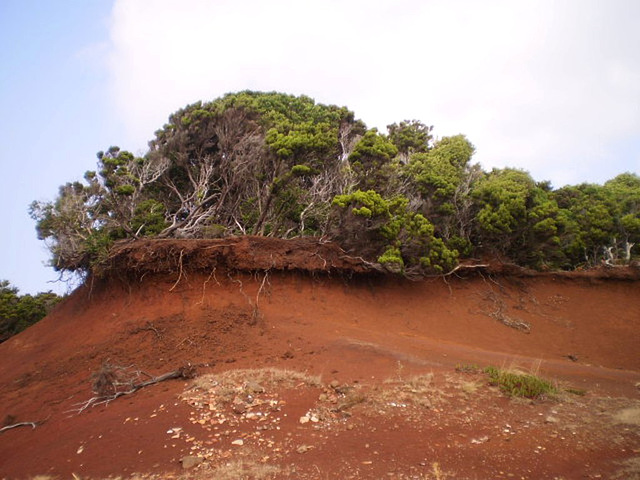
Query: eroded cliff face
x,y
305,306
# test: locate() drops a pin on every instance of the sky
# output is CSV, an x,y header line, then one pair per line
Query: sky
x,y
548,86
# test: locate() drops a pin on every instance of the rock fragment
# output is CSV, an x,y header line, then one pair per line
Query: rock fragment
x,y
191,461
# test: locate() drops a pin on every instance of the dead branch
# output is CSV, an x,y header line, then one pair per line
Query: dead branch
x,y
458,268
149,327
186,339
372,265
500,315
108,380
465,267
20,424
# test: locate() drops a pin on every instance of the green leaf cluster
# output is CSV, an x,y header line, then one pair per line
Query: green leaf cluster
x,y
403,239
411,136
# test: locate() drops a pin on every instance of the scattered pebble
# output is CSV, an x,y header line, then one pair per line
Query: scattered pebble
x,y
480,440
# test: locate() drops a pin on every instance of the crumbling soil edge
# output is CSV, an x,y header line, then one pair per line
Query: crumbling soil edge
x,y
305,254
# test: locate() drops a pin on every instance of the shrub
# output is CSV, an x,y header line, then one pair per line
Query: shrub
x,y
519,384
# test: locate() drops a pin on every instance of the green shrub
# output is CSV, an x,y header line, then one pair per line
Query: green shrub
x,y
519,384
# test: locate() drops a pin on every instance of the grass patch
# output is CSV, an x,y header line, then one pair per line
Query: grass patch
x,y
517,384
417,390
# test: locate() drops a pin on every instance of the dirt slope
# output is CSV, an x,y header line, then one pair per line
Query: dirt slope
x,y
312,366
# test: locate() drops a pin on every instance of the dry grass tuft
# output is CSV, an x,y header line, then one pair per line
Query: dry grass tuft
x,y
417,390
470,388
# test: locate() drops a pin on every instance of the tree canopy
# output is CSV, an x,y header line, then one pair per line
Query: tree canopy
x,y
281,165
17,312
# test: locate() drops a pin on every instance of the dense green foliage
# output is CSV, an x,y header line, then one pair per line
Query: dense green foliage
x,y
517,384
18,312
280,165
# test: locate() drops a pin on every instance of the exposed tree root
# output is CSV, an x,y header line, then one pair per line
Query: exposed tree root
x,y
109,382
265,279
180,275
204,285
20,424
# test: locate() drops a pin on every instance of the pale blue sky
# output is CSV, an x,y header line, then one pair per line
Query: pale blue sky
x,y
549,86
54,118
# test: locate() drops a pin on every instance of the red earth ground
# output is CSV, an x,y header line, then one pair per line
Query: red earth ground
x,y
312,366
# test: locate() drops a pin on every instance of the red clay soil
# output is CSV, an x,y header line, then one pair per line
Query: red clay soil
x,y
311,365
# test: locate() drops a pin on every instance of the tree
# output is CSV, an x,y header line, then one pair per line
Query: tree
x,y
517,217
18,312
211,157
261,163
260,170
85,219
587,223
410,136
370,161
386,231
442,180
122,180
624,195
71,225
267,163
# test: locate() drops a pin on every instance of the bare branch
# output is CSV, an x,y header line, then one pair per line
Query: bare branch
x,y
16,425
112,374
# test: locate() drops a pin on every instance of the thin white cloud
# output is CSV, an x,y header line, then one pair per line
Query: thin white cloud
x,y
548,86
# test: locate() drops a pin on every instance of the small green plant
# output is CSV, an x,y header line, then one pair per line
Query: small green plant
x,y
519,384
